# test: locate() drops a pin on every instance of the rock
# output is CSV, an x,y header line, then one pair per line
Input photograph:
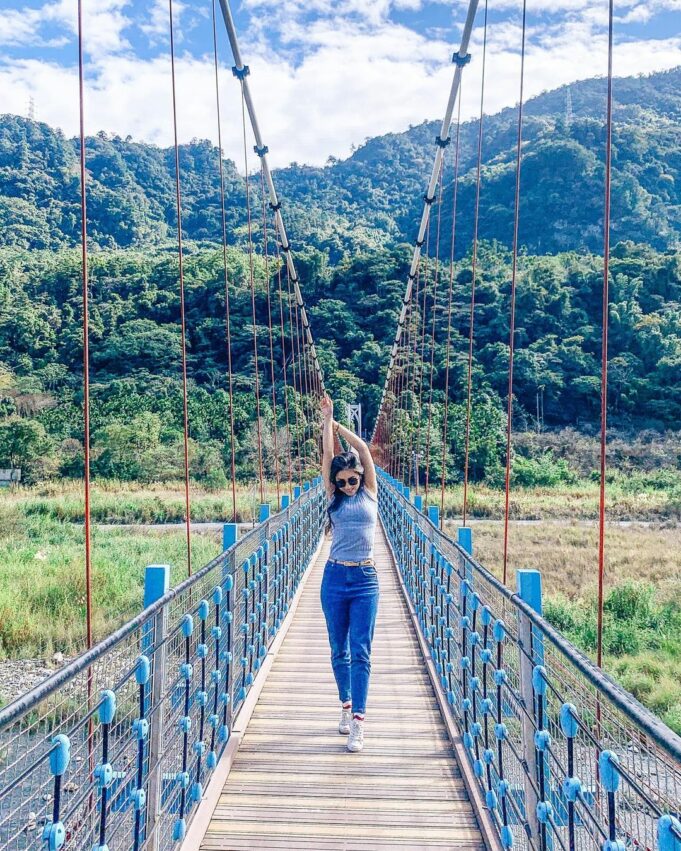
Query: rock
x,y
58,658
40,556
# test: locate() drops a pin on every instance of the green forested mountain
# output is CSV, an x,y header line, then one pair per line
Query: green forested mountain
x,y
374,196
135,350
352,222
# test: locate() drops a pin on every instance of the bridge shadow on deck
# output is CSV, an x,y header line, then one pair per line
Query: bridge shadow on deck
x,y
294,785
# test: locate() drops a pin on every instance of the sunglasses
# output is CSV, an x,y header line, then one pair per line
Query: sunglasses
x,y
344,483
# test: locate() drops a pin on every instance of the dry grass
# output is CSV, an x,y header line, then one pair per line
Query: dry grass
x,y
567,555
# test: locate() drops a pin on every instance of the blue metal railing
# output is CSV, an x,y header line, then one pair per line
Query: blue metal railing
x,y
564,758
114,751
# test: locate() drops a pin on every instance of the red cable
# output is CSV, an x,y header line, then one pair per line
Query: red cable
x,y
511,338
293,364
251,275
224,264
301,389
604,341
471,330
423,335
432,340
269,327
409,412
183,326
86,338
283,369
449,310
414,302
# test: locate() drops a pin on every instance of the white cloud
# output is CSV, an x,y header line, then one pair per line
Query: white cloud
x,y
103,24
356,78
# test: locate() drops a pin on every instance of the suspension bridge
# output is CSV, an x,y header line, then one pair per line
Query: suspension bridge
x,y
208,720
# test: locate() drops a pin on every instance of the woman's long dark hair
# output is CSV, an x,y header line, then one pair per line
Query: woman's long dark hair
x,y
344,461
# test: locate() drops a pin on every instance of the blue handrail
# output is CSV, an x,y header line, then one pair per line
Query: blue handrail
x,y
563,756
114,750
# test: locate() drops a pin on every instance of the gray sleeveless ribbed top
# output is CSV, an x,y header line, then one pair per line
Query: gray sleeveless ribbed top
x,y
354,528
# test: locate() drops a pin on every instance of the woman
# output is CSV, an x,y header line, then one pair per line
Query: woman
x,y
350,585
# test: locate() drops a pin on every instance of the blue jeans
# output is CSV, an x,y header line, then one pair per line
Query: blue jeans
x,y
350,602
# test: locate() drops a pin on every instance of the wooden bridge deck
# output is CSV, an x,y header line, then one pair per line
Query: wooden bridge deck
x,y
293,784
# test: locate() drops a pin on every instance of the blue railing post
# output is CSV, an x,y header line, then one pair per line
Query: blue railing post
x,y
464,538
285,501
54,832
669,833
418,502
264,512
296,491
230,534
156,584
434,515
529,590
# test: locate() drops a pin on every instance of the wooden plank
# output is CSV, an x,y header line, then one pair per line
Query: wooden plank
x,y
293,784
250,842
444,830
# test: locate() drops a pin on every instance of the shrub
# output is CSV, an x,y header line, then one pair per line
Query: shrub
x,y
638,683
545,471
630,601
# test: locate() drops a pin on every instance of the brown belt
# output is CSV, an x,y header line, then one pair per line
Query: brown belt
x,y
366,563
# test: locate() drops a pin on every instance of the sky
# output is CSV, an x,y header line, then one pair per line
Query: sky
x,y
325,74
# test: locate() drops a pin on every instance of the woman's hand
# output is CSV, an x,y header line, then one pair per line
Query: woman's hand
x,y
327,408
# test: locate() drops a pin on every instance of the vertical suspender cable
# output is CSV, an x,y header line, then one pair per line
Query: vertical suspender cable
x,y
449,310
283,369
471,325
251,281
230,377
294,367
242,71
604,341
301,390
413,445
86,337
422,356
269,327
432,336
460,59
410,393
183,324
511,333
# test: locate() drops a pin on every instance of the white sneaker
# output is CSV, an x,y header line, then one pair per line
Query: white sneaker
x,y
356,738
344,723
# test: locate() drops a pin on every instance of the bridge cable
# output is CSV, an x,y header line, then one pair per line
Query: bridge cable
x,y
228,330
432,339
251,281
183,323
471,323
422,337
514,273
277,472
283,369
242,72
449,308
301,391
460,60
399,395
413,338
294,366
86,338
410,388
604,340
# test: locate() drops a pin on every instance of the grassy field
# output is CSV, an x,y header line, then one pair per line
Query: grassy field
x,y
642,615
41,551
